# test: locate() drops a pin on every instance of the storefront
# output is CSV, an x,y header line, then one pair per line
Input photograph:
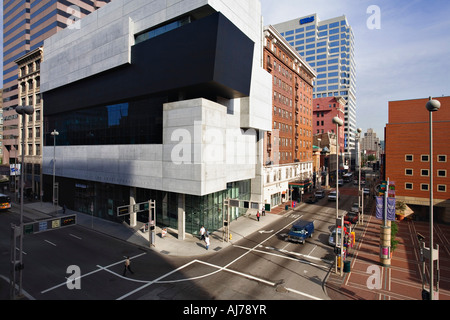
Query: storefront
x,y
102,199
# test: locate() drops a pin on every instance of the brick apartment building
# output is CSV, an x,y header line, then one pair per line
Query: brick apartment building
x,y
324,110
288,148
408,158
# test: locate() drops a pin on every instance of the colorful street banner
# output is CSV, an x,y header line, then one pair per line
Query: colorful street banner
x,y
380,207
390,208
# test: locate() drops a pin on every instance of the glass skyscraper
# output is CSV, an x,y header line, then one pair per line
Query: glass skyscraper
x,y
328,46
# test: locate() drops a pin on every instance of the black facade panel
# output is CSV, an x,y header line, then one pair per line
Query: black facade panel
x,y
207,58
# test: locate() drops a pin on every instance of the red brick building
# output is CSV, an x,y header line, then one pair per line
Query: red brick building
x,y
408,155
292,102
324,110
288,147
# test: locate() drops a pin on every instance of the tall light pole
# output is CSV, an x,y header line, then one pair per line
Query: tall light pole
x,y
432,106
359,130
54,134
23,111
338,123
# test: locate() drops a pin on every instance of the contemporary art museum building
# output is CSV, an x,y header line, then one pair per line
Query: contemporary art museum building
x,y
157,100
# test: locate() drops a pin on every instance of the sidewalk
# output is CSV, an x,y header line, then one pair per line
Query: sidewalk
x,y
169,244
369,280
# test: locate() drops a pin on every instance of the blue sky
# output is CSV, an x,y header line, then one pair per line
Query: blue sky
x,y
407,58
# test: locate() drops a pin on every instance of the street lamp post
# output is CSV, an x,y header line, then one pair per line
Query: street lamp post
x,y
359,130
54,134
338,123
23,111
432,106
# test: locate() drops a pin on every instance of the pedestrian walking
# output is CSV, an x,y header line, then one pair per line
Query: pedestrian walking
x,y
207,242
257,215
202,233
263,211
127,266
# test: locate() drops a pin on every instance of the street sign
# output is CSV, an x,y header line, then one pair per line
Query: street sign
x,y
132,208
49,224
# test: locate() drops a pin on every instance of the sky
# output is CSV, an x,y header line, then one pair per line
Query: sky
x,y
407,57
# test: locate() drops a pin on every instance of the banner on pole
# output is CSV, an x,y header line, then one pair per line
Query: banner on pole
x,y
390,214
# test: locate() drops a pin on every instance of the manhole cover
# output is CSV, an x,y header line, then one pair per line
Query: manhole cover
x,y
164,252
217,249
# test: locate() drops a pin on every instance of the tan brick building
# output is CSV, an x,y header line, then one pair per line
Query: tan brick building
x,y
408,155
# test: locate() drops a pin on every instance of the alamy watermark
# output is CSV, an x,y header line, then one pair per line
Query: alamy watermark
x,y
73,22
374,21
74,280
374,280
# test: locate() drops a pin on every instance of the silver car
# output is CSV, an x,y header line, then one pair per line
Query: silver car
x,y
319,194
332,196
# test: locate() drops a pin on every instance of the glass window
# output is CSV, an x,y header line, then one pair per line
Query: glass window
x,y
161,30
442,173
136,122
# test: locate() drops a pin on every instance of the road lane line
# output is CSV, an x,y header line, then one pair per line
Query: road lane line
x,y
90,273
18,249
293,259
245,275
50,243
256,246
302,294
156,280
75,236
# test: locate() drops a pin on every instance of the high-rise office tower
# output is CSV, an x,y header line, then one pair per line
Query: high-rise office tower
x,y
328,47
26,24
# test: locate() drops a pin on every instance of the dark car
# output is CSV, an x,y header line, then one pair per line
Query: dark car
x,y
351,217
312,199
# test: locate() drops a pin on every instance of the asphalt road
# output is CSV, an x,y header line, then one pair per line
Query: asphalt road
x,y
263,266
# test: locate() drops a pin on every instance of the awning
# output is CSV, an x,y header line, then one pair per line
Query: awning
x,y
300,184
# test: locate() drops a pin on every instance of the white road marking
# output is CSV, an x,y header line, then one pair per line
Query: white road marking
x,y
50,243
92,272
18,249
75,236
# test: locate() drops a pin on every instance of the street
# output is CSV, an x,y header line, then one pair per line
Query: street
x,y
262,266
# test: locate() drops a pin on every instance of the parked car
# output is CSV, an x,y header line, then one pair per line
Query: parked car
x,y
332,196
355,207
320,194
312,199
300,231
352,217
332,237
